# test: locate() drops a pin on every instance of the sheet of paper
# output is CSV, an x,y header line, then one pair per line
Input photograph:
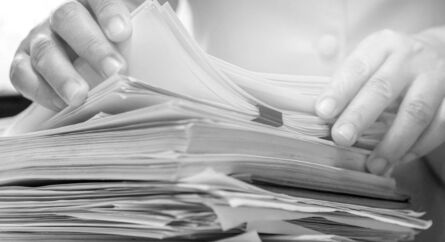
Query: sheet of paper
x,y
171,152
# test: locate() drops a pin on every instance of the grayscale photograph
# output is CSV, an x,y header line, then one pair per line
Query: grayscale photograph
x,y
222,120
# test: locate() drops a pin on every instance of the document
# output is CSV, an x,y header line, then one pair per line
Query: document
x,y
186,146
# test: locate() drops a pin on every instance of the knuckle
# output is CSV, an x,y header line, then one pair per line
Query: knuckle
x,y
67,12
419,111
105,6
381,87
95,46
40,48
358,67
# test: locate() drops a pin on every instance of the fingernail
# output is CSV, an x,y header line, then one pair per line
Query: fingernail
x,y
326,107
347,134
377,166
409,157
59,103
74,93
115,27
111,66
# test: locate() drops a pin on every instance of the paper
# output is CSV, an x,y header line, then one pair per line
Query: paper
x,y
199,205
188,147
173,61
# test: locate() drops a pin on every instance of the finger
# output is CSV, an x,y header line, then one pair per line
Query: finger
x,y
50,60
74,24
114,18
31,85
433,137
381,90
351,76
415,114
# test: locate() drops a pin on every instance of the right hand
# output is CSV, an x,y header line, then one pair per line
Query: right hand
x,y
42,68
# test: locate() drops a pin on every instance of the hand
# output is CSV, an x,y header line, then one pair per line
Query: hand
x,y
386,67
42,69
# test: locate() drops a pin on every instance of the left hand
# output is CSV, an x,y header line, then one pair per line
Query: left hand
x,y
385,67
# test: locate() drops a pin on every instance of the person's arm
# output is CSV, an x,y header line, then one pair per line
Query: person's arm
x,y
385,67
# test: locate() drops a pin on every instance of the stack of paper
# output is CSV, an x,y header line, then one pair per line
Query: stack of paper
x,y
205,206
191,147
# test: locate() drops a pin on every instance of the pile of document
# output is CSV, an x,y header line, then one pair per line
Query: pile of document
x,y
188,147
207,206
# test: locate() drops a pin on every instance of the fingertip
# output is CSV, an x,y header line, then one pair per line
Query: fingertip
x,y
114,18
326,108
118,28
80,95
344,134
75,92
377,166
112,65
